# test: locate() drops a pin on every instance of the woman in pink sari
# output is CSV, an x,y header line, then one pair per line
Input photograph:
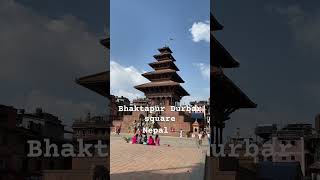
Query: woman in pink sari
x,y
150,141
134,139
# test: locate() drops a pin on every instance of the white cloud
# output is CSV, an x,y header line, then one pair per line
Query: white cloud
x,y
204,69
200,31
122,80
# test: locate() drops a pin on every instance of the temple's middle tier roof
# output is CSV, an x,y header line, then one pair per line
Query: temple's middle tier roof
x,y
164,64
164,56
163,74
220,56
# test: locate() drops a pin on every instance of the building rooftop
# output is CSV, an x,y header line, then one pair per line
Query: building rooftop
x,y
199,102
96,121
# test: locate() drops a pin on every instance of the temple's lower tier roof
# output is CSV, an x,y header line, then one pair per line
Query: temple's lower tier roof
x,y
226,94
170,73
97,82
157,84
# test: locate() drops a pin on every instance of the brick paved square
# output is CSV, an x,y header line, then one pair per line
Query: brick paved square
x,y
181,160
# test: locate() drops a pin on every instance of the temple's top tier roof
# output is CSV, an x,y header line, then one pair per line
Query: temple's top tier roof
x,y
165,49
215,25
105,42
164,56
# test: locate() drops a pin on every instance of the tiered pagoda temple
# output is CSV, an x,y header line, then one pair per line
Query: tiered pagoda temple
x,y
226,97
164,88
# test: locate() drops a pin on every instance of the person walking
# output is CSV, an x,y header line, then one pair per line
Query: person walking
x,y
157,140
209,138
200,139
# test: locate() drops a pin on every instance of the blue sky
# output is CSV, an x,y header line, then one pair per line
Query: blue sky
x,y
139,28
